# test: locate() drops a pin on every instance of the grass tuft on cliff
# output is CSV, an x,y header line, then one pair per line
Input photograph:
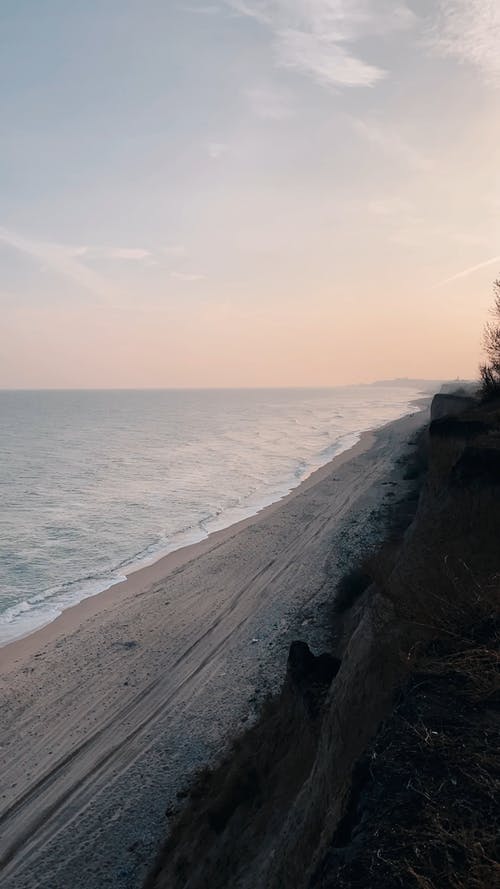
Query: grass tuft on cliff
x,y
423,812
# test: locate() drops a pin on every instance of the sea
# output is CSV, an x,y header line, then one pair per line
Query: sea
x,y
96,484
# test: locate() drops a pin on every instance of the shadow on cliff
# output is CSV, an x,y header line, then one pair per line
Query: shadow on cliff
x,y
347,779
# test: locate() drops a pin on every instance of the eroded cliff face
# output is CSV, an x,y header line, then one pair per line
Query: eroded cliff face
x,y
276,813
420,810
450,405
226,834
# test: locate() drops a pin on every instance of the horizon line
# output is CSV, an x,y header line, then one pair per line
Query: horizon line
x,y
226,388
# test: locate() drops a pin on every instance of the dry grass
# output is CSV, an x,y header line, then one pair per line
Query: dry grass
x,y
424,813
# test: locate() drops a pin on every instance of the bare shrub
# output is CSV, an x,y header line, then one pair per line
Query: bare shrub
x,y
490,370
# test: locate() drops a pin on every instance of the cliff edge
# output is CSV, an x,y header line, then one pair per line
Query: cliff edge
x,y
378,763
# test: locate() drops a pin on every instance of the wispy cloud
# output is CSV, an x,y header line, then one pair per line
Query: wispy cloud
x,y
134,253
392,144
61,258
469,30
186,276
78,262
174,250
470,271
206,9
270,104
314,37
9,298
324,60
217,149
390,207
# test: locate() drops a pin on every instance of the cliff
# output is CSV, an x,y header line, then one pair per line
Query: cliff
x,y
377,764
448,405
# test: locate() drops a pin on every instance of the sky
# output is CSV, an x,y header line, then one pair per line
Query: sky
x,y
246,192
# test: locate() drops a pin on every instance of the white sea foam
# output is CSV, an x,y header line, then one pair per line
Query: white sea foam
x,y
98,484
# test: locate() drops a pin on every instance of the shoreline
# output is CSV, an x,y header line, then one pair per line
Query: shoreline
x,y
36,608
109,710
140,579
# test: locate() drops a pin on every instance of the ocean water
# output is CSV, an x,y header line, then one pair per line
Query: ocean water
x,y
94,484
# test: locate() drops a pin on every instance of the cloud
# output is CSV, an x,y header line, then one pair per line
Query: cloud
x,y
270,104
61,258
313,37
326,62
134,253
69,250
9,298
208,9
75,261
174,250
469,30
217,149
186,276
390,207
470,271
126,253
392,144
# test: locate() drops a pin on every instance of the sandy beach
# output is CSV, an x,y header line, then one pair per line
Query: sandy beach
x,y
109,710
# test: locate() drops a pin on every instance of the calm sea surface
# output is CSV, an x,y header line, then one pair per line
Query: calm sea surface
x,y
94,483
